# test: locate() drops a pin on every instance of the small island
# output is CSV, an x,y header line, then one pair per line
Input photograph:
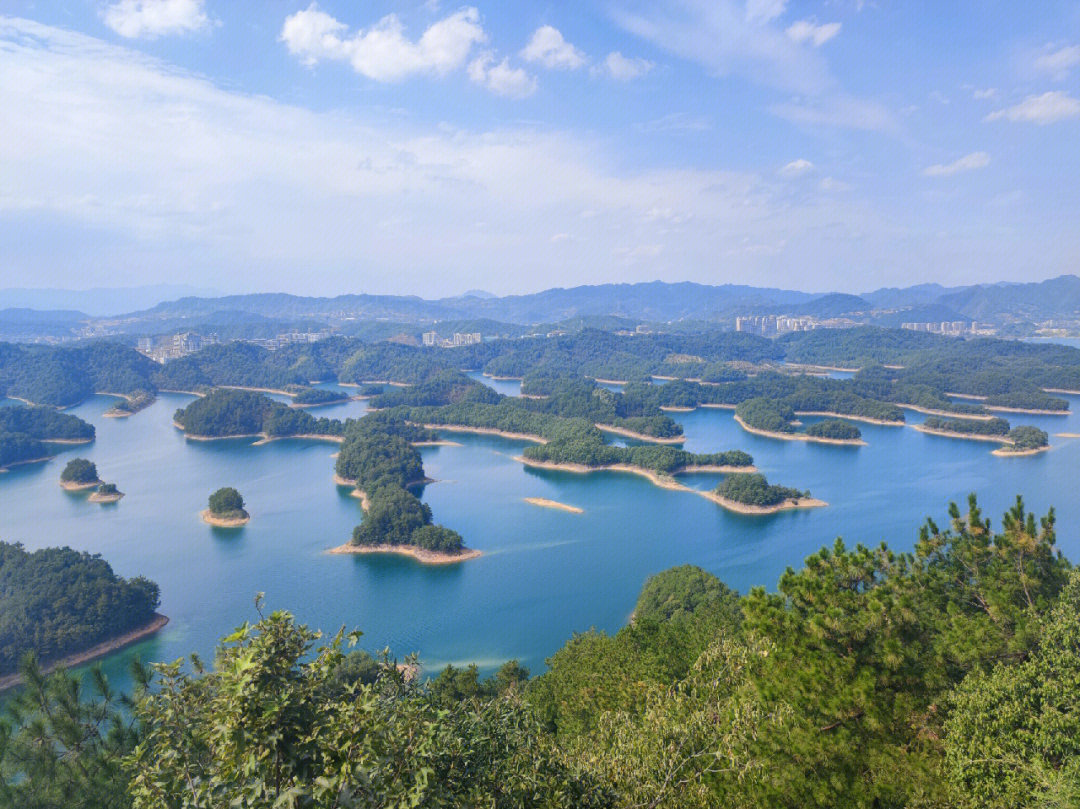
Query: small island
x,y
317,397
544,502
1018,441
106,493
226,509
79,475
773,419
129,404
751,493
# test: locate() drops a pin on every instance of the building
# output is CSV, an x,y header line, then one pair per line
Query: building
x,y
431,338
467,339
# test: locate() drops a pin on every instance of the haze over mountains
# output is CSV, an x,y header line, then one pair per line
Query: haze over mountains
x,y
1006,304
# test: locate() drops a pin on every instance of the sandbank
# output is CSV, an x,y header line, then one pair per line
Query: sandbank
x,y
972,396
224,522
1062,390
71,441
72,486
743,508
1067,435
458,428
663,481
436,444
997,439
28,460
421,555
1005,452
98,497
814,439
505,378
266,439
94,652
603,381
677,409
827,368
610,428
278,391
1030,410
545,503
848,417
949,414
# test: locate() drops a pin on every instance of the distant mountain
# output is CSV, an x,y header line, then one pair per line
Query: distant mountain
x,y
918,295
1042,300
927,313
100,301
832,305
20,323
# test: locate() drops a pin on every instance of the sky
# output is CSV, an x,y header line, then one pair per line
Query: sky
x,y
431,148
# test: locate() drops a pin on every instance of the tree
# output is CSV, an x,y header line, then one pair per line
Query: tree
x,y
79,470
226,501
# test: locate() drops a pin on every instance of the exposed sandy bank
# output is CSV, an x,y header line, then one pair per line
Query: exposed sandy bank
x,y
814,439
743,508
424,557
224,522
652,439
545,503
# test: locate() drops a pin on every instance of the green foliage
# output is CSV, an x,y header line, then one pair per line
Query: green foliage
x,y
317,396
108,488
453,684
226,502
835,429
680,592
19,448
1028,437
991,427
57,602
271,725
44,424
79,470
63,375
392,517
226,412
1013,734
752,489
766,414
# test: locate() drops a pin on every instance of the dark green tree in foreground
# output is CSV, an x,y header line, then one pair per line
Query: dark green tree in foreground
x,y
227,502
79,470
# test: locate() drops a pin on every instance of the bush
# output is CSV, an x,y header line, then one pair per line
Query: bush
x,y
79,470
226,502
752,489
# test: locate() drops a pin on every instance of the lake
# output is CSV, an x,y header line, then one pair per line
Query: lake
x,y
544,575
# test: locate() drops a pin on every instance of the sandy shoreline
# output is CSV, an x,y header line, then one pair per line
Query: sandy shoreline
x,y
342,400
1067,435
94,652
223,522
424,557
825,368
97,497
997,439
545,503
866,419
613,430
70,486
1029,410
436,444
743,508
813,439
948,414
28,460
1062,390
1005,452
677,409
266,439
458,428
67,441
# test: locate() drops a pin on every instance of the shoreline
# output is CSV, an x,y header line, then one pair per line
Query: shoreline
x,y
1062,390
1029,410
224,522
436,443
503,378
1005,452
997,439
652,439
266,439
100,650
424,557
459,428
663,481
948,414
96,497
342,400
67,441
828,368
543,502
750,510
865,419
71,486
812,439
26,461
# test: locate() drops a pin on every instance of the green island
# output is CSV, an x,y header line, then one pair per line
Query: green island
x,y
66,608
869,677
229,413
751,493
775,419
79,474
314,397
1022,440
106,493
225,509
130,404
26,432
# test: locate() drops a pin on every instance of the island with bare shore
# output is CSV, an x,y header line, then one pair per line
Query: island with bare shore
x,y
774,419
1015,442
752,494
68,608
225,509
106,493
79,475
129,404
28,433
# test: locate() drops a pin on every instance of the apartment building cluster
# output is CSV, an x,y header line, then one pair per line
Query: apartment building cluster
x,y
769,325
954,328
174,346
431,338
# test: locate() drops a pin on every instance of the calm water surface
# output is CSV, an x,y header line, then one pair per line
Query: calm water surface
x,y
544,575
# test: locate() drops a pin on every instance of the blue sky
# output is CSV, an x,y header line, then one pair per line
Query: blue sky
x,y
430,147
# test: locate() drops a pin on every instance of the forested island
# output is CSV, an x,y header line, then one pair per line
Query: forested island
x,y
751,493
776,419
79,474
225,509
868,677
106,493
227,413
67,607
1022,440
26,432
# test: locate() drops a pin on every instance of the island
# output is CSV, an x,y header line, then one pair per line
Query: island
x,y
68,608
79,475
544,502
233,413
129,404
776,419
225,509
751,493
106,493
317,397
27,431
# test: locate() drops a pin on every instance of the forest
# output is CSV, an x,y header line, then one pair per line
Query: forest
x,y
24,432
224,412
57,602
752,489
941,677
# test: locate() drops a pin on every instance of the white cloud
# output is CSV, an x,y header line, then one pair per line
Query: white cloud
x,y
984,94
796,168
762,11
1047,108
153,18
1057,62
675,122
500,78
807,31
548,47
383,52
833,185
837,111
622,68
970,162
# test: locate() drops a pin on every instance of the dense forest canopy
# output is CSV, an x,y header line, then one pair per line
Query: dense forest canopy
x,y
57,602
24,431
79,470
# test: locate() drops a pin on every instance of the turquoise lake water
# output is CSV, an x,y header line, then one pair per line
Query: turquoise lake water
x,y
544,575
